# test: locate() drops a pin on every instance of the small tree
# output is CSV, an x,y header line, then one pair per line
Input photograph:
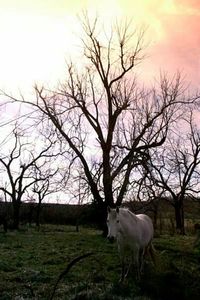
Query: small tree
x,y
148,194
17,167
45,184
175,169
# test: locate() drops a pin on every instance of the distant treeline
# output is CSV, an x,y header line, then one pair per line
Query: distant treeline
x,y
49,213
63,214
68,214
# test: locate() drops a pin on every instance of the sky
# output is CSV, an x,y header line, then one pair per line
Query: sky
x,y
38,36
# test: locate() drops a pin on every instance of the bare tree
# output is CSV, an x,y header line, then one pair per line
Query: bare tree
x,y
46,183
176,169
107,121
147,195
17,166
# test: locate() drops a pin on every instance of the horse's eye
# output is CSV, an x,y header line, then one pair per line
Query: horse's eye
x,y
117,221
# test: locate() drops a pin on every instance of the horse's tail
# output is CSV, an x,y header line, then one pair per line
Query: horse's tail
x,y
152,252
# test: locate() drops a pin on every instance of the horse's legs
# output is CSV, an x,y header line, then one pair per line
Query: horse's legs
x,y
148,250
152,253
141,259
125,265
123,270
122,258
137,261
129,266
137,258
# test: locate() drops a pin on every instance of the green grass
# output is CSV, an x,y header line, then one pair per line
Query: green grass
x,y
31,262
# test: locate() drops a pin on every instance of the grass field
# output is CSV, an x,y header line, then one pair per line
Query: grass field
x,y
31,262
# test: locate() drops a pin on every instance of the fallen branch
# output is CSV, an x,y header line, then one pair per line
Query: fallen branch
x,y
66,270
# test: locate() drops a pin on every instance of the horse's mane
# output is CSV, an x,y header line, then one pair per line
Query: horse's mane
x,y
125,211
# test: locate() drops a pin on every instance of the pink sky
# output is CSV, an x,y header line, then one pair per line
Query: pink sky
x,y
37,36
180,49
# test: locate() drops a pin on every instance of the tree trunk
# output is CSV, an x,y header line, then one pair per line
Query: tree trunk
x,y
100,215
16,212
183,220
179,216
38,214
155,217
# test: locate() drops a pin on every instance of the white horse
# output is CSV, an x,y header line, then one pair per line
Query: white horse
x,y
134,234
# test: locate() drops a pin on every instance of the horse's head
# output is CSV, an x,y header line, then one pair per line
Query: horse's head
x,y
112,223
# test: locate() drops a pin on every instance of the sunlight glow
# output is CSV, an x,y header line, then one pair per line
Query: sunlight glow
x,y
38,36
34,48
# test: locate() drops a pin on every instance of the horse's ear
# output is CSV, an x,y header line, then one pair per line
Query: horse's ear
x,y
117,209
108,209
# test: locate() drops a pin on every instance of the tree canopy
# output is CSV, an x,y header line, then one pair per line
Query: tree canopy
x,y
105,117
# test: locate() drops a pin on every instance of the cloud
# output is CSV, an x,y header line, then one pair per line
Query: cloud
x,y
178,47
189,5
